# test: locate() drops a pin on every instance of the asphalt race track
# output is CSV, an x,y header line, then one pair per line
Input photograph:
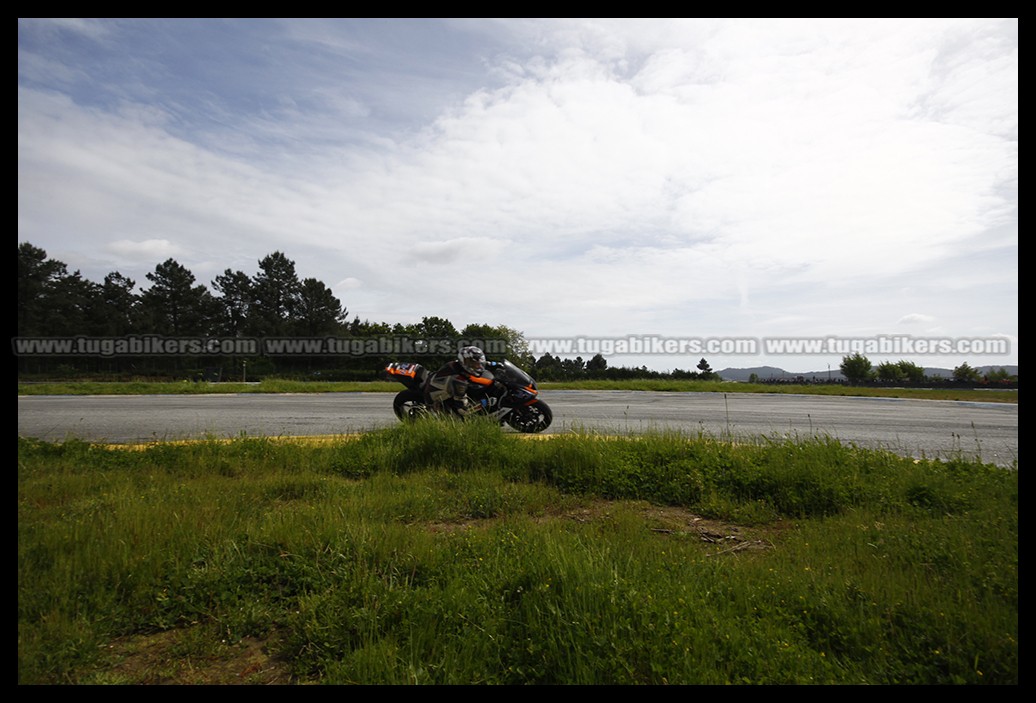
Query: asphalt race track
x,y
930,428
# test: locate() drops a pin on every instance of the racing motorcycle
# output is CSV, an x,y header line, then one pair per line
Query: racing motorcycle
x,y
514,400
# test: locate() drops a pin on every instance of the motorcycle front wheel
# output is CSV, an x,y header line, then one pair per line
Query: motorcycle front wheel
x,y
530,418
409,405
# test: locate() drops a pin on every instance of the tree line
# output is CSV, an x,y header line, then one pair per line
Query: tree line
x,y
272,302
858,371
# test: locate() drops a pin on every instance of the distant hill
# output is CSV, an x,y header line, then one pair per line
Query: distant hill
x,y
763,373
768,373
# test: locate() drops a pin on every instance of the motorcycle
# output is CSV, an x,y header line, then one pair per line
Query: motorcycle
x,y
513,401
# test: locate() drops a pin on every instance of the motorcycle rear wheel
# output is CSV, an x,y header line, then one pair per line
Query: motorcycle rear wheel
x,y
409,405
530,418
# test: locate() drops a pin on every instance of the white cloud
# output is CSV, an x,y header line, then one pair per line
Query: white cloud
x,y
916,318
723,176
349,283
144,251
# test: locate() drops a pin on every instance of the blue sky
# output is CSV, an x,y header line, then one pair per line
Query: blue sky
x,y
687,179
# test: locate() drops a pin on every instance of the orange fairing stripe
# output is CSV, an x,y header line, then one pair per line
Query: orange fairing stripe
x,y
480,381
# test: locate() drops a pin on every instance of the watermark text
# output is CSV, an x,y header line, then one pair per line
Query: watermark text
x,y
404,346
155,345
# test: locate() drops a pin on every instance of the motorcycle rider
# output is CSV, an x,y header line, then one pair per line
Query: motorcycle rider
x,y
447,389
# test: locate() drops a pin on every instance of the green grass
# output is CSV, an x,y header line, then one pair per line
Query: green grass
x,y
286,386
456,554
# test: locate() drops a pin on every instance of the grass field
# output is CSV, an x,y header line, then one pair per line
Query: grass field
x,y
440,553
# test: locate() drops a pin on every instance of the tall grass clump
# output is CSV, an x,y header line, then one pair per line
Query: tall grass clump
x,y
445,553
813,478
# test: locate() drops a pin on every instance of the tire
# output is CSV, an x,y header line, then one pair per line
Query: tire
x,y
409,405
530,418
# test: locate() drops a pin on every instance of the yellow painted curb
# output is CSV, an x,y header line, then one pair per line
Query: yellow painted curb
x,y
300,439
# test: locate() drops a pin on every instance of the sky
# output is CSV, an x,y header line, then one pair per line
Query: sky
x,y
777,192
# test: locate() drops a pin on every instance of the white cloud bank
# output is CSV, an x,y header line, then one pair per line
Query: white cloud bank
x,y
707,178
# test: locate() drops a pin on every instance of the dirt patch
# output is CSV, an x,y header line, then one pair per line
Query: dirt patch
x,y
165,658
662,520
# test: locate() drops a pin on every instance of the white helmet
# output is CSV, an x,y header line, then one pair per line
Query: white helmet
x,y
473,360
